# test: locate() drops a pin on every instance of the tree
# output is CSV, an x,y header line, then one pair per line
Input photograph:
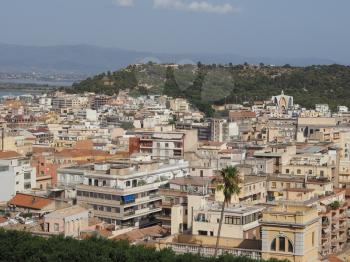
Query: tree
x,y
230,187
171,87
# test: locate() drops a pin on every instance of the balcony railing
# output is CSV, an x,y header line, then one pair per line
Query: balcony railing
x,y
209,251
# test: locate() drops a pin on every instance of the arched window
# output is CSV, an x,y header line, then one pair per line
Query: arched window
x,y
290,247
282,244
273,245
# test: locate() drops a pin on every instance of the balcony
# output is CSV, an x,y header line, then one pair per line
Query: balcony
x,y
326,245
325,223
141,212
334,241
206,251
343,215
325,235
129,212
164,217
98,201
343,237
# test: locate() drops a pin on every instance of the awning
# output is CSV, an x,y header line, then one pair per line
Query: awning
x,y
128,198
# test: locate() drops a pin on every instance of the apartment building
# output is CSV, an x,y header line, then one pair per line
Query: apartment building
x,y
174,197
99,101
179,105
280,153
334,219
278,129
126,193
46,169
260,165
16,173
203,216
223,131
67,102
239,221
277,184
167,144
316,127
203,129
253,190
313,165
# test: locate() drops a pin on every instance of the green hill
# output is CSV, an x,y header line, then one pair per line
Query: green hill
x,y
204,85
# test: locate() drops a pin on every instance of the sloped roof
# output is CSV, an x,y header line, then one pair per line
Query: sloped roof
x,y
80,153
30,201
139,234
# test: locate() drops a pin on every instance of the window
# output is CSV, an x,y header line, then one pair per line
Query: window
x,y
202,232
273,185
90,182
56,227
4,168
298,171
282,244
211,233
281,241
27,175
287,171
310,172
201,173
166,144
228,220
273,245
290,247
115,198
321,173
313,239
127,183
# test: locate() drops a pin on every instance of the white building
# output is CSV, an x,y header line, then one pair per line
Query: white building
x,y
283,102
16,174
343,109
323,108
123,192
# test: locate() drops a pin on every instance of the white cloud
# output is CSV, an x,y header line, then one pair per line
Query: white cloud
x,y
125,3
194,6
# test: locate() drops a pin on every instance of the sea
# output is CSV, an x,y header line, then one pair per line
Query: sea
x,y
26,90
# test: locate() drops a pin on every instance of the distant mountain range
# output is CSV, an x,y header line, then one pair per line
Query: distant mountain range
x,y
89,59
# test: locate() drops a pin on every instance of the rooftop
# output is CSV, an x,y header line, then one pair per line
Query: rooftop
x,y
66,212
9,155
30,201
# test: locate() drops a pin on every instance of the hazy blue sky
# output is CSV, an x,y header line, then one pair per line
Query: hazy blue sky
x,y
275,28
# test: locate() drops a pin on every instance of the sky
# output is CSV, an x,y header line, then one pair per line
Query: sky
x,y
255,28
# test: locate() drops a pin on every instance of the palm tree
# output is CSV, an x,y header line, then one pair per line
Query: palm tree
x,y
229,186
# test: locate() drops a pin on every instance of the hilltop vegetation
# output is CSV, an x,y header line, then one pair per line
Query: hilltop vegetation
x,y
204,85
21,246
